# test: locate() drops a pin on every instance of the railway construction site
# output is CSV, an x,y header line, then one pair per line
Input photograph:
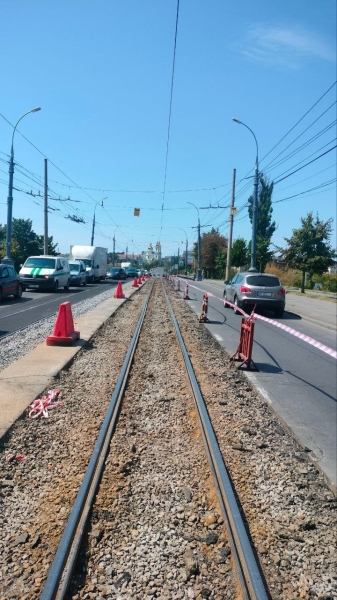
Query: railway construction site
x,y
161,473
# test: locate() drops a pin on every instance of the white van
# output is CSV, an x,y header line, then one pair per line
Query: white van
x,y
45,273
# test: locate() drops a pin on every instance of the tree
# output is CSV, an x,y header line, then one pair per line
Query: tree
x,y
308,248
239,254
265,226
221,261
25,242
211,244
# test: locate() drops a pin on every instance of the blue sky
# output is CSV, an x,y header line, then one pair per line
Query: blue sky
x,y
101,73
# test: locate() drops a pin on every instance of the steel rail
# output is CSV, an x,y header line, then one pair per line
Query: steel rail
x,y
68,548
250,576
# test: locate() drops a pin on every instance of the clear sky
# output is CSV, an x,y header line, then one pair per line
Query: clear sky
x,y
101,73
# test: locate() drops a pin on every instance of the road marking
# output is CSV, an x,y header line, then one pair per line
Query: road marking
x,y
218,337
49,302
261,389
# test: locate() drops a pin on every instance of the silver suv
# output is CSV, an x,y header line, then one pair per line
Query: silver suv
x,y
249,288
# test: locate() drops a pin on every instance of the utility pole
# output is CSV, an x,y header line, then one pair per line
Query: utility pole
x,y
186,256
199,276
126,253
230,234
94,221
45,247
93,229
113,253
178,260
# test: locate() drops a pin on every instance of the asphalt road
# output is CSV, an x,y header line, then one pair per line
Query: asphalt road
x,y
297,379
16,313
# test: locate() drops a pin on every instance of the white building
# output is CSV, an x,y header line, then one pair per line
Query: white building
x,y
150,254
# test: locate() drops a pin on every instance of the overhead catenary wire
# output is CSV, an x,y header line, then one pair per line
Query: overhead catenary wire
x,y
170,114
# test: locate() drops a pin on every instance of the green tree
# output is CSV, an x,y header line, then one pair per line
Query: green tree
x,y
212,243
309,249
239,256
265,226
221,261
25,242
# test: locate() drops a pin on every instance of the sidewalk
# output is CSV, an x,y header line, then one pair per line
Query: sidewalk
x,y
28,377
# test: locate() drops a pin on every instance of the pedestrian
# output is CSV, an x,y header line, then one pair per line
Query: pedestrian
x,y
203,274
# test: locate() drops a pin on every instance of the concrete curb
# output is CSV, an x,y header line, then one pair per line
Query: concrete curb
x,y
23,381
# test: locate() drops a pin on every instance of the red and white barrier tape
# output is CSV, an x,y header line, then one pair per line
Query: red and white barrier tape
x,y
41,405
255,316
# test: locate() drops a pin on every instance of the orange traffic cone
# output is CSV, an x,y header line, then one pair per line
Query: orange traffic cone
x,y
135,284
119,291
139,281
143,278
64,327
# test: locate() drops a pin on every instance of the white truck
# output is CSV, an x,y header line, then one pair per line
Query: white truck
x,y
94,258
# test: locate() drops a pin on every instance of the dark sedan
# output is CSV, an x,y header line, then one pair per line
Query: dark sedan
x,y
131,272
116,273
10,284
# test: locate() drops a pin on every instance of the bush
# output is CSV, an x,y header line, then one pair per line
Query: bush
x,y
288,277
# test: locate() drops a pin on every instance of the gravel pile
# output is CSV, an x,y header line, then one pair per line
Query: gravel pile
x,y
20,343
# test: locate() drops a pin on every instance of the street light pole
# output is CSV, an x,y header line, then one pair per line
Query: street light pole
x,y
94,221
230,234
186,249
255,200
199,277
7,259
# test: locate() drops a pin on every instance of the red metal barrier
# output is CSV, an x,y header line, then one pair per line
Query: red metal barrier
x,y
203,318
244,351
186,296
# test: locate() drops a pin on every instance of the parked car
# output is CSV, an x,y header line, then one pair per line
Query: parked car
x,y
131,272
249,288
78,274
10,284
116,273
45,273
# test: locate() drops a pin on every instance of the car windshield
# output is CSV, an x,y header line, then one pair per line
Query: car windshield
x,y
74,267
262,281
40,263
116,270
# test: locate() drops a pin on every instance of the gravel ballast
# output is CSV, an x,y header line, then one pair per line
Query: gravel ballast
x,y
160,515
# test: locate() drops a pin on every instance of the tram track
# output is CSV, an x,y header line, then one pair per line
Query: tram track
x,y
252,586
156,528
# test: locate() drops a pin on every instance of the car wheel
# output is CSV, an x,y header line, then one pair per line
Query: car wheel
x,y
66,287
237,305
226,305
279,313
56,286
19,291
85,282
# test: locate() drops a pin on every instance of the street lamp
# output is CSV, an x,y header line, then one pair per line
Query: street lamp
x,y
181,229
94,220
199,278
255,201
7,259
